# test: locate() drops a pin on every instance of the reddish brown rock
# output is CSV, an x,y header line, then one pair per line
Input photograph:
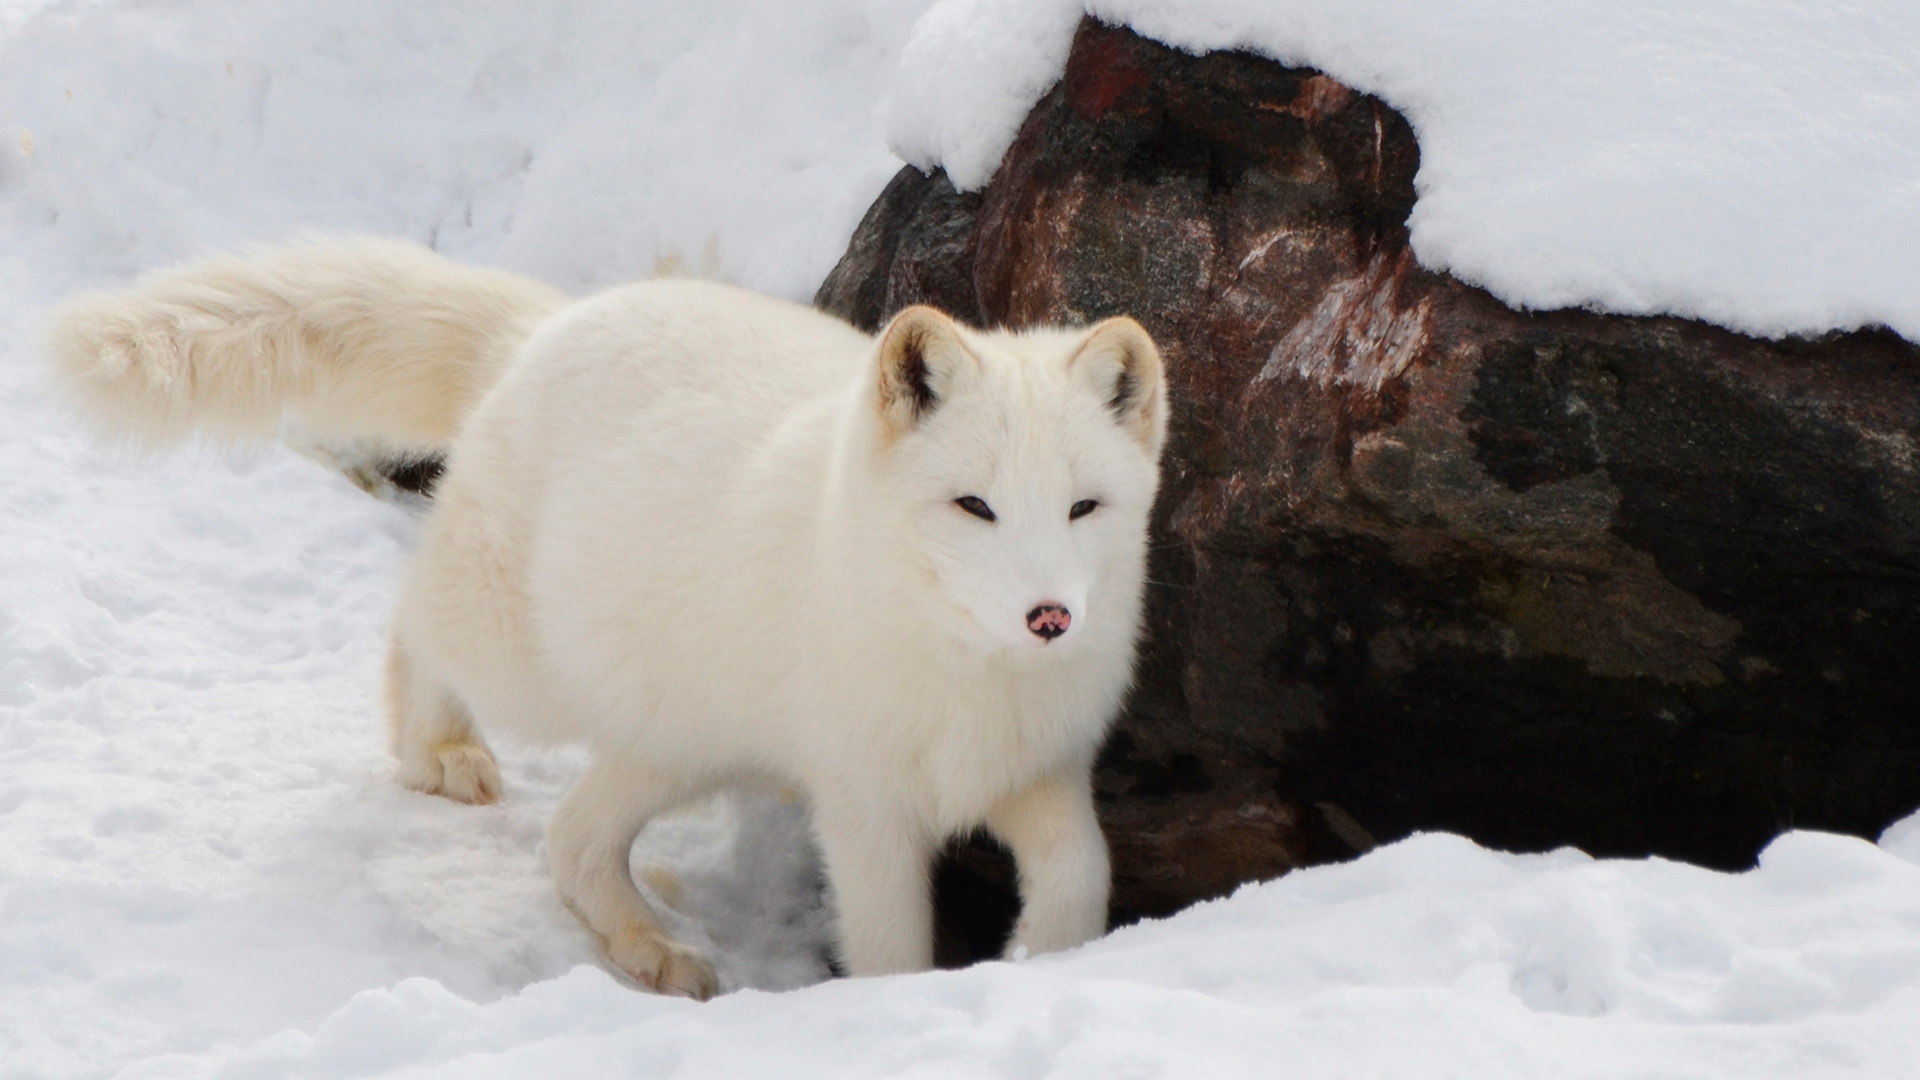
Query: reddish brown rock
x,y
1422,561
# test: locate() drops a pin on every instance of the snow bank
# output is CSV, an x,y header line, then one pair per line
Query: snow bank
x,y
1748,164
1428,957
1752,166
585,143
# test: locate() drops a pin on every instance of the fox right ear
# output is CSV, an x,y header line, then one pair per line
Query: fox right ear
x,y
921,361
1119,362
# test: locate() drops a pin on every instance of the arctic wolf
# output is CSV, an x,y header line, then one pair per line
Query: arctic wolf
x,y
719,538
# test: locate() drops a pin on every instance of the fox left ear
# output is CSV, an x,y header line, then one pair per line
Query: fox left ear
x,y
1119,363
921,361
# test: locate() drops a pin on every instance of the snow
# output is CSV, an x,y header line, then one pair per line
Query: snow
x,y
205,869
1752,164
1428,957
577,142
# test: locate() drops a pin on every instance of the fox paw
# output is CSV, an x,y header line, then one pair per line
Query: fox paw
x,y
663,965
461,771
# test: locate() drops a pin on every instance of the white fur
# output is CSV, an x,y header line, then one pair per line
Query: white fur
x,y
362,338
714,536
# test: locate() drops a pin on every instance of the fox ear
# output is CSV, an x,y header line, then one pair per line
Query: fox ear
x,y
1119,363
921,362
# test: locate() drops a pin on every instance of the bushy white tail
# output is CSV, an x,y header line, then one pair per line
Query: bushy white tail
x,y
359,338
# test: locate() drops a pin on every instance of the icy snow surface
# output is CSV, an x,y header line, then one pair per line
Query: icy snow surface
x,y
204,868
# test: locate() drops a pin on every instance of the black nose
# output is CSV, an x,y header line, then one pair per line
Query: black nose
x,y
1049,620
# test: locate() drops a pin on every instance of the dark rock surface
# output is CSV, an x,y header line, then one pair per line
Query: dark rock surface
x,y
1422,561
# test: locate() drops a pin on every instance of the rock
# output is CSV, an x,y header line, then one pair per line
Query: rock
x,y
1637,585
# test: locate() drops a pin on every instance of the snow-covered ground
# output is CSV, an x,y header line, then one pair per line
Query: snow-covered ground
x,y
204,868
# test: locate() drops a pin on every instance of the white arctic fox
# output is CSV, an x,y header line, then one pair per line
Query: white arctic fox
x,y
720,538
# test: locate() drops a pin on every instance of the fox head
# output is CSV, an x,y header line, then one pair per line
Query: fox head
x,y
1020,469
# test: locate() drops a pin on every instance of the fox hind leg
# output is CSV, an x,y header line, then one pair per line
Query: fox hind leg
x,y
589,845
432,733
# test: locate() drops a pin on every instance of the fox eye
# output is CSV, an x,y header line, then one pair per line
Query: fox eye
x,y
1082,509
975,505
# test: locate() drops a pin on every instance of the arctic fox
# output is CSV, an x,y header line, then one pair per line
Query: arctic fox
x,y
719,538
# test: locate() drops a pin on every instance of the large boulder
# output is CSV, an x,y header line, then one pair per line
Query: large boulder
x,y
1637,585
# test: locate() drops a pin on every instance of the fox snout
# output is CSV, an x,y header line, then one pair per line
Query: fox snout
x,y
1049,621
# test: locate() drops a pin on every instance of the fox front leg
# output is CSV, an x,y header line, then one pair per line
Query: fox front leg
x,y
1062,857
878,865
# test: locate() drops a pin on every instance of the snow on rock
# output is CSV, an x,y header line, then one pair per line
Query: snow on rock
x,y
1747,164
